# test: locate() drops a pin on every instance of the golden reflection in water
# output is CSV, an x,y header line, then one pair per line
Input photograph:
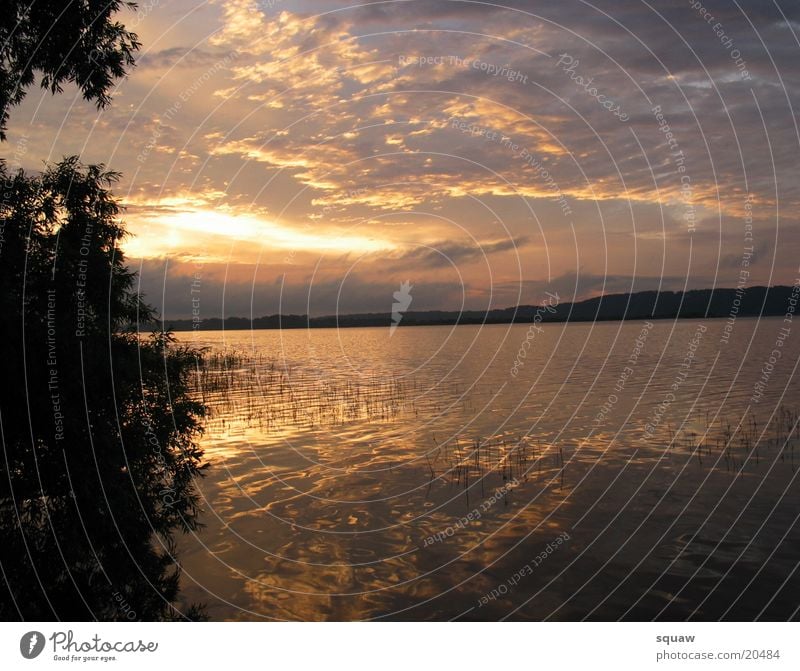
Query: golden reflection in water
x,y
329,480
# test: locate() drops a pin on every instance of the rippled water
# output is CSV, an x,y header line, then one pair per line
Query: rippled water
x,y
624,472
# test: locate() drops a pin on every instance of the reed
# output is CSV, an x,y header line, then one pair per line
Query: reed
x,y
743,442
253,390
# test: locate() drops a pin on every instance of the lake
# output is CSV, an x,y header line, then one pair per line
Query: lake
x,y
601,471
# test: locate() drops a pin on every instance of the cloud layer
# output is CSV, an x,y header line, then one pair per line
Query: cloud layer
x,y
483,150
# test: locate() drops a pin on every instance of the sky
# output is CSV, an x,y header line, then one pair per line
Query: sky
x,y
311,156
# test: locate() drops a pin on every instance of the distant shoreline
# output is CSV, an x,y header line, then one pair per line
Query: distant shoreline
x,y
643,305
424,325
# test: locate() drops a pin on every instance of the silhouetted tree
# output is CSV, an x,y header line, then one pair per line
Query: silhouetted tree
x,y
96,422
69,41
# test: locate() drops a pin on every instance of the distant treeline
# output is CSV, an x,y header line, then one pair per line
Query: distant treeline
x,y
699,303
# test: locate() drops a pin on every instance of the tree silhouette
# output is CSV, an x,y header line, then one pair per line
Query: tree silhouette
x,y
96,422
74,41
98,429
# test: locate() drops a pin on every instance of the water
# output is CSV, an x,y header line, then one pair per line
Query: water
x,y
625,471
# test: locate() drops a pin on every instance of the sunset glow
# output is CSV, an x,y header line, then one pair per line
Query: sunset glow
x,y
528,148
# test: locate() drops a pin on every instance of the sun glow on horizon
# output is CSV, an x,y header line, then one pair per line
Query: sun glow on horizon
x,y
205,233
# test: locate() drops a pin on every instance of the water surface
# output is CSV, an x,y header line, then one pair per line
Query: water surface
x,y
625,471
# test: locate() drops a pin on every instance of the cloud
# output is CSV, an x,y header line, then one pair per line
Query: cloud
x,y
178,288
416,87
447,253
430,138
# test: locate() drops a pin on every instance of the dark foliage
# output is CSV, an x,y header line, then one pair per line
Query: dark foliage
x,y
72,41
98,429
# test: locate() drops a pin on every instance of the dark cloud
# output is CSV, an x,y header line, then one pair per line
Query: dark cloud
x,y
181,57
448,253
177,289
